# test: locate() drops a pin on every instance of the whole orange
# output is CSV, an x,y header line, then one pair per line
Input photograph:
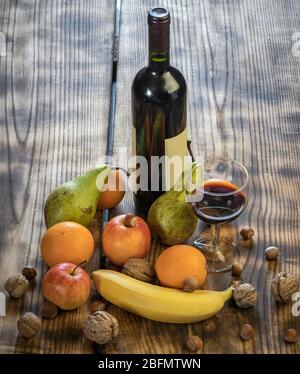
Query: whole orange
x,y
67,242
113,192
177,263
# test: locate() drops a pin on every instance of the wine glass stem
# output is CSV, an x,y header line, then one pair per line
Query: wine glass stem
x,y
215,237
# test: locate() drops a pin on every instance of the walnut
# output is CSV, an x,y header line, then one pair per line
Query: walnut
x,y
16,285
101,327
283,286
29,325
139,269
29,273
244,295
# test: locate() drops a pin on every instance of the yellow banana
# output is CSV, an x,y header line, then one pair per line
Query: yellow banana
x,y
158,303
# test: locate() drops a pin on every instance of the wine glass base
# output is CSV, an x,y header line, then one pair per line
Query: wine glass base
x,y
218,261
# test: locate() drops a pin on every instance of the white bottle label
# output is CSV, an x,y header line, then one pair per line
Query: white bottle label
x,y
176,152
175,158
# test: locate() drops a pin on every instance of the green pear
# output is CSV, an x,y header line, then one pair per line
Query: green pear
x,y
171,217
77,199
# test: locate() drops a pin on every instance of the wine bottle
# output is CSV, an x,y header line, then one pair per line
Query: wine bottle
x,y
158,113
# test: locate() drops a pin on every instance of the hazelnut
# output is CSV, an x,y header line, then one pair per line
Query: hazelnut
x,y
194,343
190,284
140,269
97,306
291,336
29,325
29,273
16,285
244,295
236,268
101,327
210,327
247,232
283,286
271,253
247,331
49,310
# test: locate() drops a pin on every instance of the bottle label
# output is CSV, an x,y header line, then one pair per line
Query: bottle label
x,y
171,84
174,161
176,152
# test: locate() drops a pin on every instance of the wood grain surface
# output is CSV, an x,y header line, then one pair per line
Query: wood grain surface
x,y
54,101
243,101
241,63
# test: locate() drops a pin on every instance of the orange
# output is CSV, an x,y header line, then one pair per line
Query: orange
x,y
67,242
114,191
177,263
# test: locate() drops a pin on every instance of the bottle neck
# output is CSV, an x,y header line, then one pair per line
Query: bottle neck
x,y
159,46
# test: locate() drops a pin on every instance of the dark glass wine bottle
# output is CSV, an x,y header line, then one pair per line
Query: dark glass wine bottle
x,y
158,111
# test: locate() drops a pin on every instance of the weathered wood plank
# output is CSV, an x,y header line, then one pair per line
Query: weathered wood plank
x,y
243,100
54,102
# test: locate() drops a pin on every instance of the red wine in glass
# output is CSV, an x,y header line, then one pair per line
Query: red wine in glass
x,y
220,202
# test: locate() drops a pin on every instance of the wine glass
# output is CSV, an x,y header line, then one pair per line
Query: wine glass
x,y
220,197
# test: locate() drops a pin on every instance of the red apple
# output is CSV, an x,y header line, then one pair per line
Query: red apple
x,y
126,236
66,285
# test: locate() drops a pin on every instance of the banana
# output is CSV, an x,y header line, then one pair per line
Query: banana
x,y
158,303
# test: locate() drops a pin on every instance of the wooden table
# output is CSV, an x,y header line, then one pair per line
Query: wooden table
x,y
59,92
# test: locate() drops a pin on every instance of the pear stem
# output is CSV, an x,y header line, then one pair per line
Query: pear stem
x,y
122,169
189,146
81,264
130,220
